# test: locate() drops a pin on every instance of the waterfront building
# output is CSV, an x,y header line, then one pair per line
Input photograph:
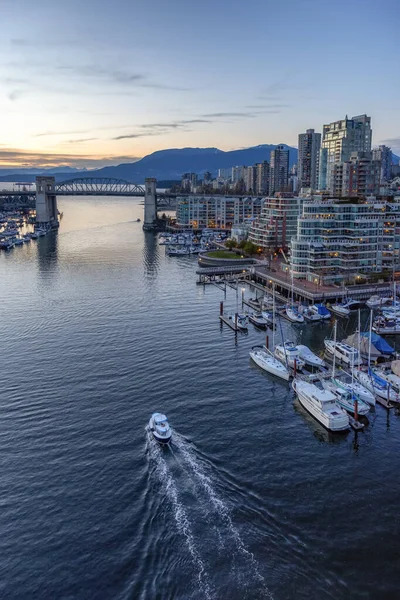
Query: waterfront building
x,y
385,156
222,212
277,222
308,159
345,240
279,170
262,183
225,174
339,140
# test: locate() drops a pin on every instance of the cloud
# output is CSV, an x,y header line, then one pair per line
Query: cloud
x,y
153,129
81,140
219,115
395,142
15,95
51,133
130,136
14,158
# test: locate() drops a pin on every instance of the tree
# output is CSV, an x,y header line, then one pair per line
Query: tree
x,y
250,248
242,244
230,244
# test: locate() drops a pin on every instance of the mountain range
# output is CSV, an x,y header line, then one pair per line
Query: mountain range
x,y
164,164
167,164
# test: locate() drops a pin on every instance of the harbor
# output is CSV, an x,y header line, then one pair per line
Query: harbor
x,y
119,330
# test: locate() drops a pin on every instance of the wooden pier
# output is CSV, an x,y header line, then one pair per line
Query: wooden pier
x,y
226,274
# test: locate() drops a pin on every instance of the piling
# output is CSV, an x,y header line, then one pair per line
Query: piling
x,y
267,342
221,308
356,409
294,368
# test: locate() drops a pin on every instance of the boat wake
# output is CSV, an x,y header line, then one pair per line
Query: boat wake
x,y
181,517
248,575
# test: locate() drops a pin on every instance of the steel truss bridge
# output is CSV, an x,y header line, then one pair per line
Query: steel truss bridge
x,y
95,186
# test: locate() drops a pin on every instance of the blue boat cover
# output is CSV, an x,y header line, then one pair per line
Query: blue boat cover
x,y
379,343
322,310
378,379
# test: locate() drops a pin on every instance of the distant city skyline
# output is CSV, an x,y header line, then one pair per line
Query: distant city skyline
x,y
94,83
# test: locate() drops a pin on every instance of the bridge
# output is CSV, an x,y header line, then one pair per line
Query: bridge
x,y
98,186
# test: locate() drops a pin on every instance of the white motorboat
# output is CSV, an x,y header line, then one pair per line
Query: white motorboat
x,y
293,314
386,326
352,304
270,364
269,317
258,320
344,352
268,301
375,384
288,353
309,357
321,404
159,427
242,321
345,398
376,301
321,310
340,309
311,315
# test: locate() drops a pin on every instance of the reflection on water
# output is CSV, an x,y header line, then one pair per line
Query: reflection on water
x,y
151,251
47,252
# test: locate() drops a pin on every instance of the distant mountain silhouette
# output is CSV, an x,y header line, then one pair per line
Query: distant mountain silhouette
x,y
168,164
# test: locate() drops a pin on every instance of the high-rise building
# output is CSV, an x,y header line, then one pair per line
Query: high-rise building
x,y
278,170
359,176
277,223
207,177
237,174
225,173
250,178
262,182
384,155
339,140
308,160
223,212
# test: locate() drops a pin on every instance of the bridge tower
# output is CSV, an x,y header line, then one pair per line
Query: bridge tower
x,y
46,201
150,204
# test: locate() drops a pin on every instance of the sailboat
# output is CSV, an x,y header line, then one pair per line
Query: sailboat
x,y
265,360
340,308
291,311
372,381
346,398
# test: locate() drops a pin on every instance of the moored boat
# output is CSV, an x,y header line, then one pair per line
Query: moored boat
x,y
321,404
258,320
270,364
293,314
340,309
311,315
345,398
344,352
288,353
311,359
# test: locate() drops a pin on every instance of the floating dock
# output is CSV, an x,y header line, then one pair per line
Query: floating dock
x,y
229,322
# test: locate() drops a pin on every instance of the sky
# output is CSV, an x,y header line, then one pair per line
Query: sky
x,y
88,83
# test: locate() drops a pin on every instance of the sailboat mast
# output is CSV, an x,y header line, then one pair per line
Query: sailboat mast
x,y
334,348
359,338
369,344
273,317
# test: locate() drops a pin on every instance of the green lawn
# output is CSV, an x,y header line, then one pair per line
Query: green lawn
x,y
223,254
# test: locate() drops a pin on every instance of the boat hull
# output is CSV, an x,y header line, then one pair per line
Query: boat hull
x,y
320,416
270,365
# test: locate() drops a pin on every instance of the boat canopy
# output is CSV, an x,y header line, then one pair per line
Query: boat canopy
x,y
322,310
352,340
379,343
159,418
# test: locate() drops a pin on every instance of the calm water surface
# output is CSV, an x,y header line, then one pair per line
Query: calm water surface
x,y
253,500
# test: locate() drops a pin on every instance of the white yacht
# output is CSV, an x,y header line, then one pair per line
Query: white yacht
x,y
270,364
258,320
340,309
288,353
293,314
344,352
321,310
392,379
159,427
309,357
345,398
321,404
268,316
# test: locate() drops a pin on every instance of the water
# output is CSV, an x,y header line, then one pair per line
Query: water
x,y
253,500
